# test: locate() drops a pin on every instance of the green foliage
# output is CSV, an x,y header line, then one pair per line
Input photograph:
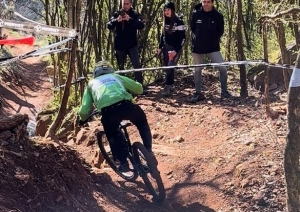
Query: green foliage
x,y
42,40
55,103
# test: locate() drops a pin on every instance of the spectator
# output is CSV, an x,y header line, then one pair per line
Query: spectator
x,y
171,42
207,26
126,22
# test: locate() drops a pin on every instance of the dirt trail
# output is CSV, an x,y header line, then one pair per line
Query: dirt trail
x,y
25,88
216,155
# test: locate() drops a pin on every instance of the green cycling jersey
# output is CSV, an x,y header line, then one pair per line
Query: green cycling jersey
x,y
106,90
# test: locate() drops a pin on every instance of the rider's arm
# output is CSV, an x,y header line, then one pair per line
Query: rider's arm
x,y
130,85
86,105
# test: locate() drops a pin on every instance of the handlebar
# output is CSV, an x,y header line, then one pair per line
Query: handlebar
x,y
123,124
95,112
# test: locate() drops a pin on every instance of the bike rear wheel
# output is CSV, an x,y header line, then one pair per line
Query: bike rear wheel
x,y
114,164
149,172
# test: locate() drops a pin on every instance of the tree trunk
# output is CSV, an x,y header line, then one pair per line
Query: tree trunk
x,y
296,32
63,107
267,68
241,56
230,16
292,148
64,102
285,58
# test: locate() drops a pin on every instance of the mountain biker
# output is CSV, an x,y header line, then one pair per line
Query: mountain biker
x,y
111,94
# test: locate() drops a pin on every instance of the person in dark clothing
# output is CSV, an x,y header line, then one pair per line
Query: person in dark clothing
x,y
126,22
171,42
207,26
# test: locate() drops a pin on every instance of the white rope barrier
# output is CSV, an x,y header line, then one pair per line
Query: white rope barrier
x,y
231,63
38,52
245,62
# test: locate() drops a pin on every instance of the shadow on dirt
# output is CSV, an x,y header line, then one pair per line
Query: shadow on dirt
x,y
9,95
194,207
21,75
191,184
20,83
133,196
184,88
43,176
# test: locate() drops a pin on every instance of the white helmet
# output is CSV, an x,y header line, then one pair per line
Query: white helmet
x,y
102,67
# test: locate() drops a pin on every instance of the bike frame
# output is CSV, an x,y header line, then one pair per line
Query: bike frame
x,y
140,168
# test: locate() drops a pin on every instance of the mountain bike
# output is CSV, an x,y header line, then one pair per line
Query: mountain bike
x,y
139,159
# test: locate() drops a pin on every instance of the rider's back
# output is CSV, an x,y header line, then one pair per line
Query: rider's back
x,y
107,90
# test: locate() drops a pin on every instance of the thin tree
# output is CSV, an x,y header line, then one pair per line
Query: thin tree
x,y
63,107
241,56
292,148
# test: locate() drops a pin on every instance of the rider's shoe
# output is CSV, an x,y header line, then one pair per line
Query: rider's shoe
x,y
198,96
124,167
168,89
226,94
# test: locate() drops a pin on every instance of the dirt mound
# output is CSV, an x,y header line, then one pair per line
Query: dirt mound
x,y
39,175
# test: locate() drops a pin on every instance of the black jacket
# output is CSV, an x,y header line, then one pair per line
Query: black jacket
x,y
177,37
126,31
207,29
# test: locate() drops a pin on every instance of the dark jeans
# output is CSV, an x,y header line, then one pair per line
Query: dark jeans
x,y
111,119
135,61
170,72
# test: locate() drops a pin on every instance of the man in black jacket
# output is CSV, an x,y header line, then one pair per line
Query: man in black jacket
x,y
126,22
207,26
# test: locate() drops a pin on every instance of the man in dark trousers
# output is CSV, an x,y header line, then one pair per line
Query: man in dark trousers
x,y
207,26
126,22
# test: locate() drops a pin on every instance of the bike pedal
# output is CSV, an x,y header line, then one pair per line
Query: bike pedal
x,y
145,168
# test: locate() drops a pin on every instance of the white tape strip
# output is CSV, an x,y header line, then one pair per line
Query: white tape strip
x,y
295,79
195,65
27,19
45,48
49,52
39,52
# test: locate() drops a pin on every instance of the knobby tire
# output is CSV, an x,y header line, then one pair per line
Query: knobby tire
x,y
161,194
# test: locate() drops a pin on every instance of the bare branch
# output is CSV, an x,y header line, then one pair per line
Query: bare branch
x,y
270,18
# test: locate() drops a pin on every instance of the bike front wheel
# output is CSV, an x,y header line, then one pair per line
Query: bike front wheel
x,y
113,162
149,172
